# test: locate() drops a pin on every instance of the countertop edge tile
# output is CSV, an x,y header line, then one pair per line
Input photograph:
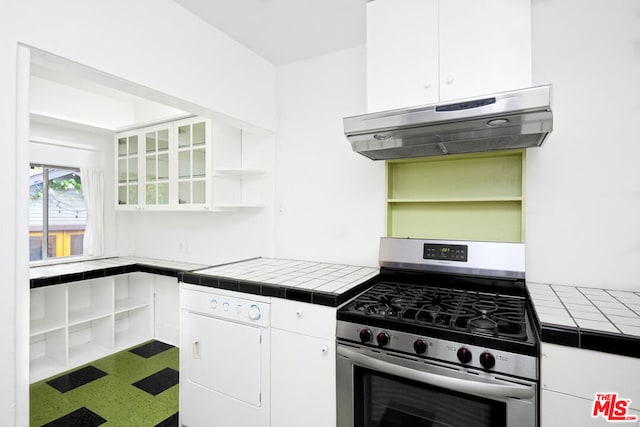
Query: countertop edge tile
x,y
560,334
609,339
196,275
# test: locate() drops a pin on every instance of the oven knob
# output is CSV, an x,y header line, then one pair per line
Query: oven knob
x,y
420,346
383,339
487,360
464,355
365,335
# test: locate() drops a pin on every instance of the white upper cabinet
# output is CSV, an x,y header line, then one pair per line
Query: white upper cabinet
x,y
402,53
165,167
191,164
193,148
426,51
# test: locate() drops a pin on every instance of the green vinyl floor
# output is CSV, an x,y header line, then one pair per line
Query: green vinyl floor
x,y
124,389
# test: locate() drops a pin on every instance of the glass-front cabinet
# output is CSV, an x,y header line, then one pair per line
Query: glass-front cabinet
x,y
127,162
193,155
165,167
157,166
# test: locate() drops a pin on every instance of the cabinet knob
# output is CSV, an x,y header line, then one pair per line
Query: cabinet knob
x,y
299,313
449,80
325,349
426,85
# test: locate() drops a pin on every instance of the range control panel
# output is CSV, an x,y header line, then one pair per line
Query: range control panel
x,y
445,252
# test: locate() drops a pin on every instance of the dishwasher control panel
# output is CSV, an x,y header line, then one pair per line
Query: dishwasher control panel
x,y
231,306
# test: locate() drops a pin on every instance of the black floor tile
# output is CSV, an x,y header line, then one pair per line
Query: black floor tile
x,y
172,421
158,382
151,349
76,378
82,417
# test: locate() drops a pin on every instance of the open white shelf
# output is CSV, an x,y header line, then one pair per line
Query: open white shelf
x,y
75,323
240,175
47,353
132,327
48,309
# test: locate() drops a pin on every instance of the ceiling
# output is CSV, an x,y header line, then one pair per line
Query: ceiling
x,y
284,31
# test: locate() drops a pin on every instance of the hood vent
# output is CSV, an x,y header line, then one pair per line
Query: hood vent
x,y
507,120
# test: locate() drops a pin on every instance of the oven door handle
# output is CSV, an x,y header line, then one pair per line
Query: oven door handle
x,y
456,384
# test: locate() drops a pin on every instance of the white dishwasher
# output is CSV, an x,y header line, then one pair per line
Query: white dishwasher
x,y
224,358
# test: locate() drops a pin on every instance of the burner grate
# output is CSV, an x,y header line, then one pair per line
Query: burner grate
x,y
473,312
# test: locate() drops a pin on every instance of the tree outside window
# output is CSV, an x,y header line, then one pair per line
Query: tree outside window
x,y
57,213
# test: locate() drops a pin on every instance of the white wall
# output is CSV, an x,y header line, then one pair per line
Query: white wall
x,y
583,185
330,201
148,42
10,229
64,102
156,44
201,237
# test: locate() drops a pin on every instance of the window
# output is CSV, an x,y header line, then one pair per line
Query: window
x,y
57,212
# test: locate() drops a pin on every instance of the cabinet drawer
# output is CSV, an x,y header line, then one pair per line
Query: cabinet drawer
x,y
584,373
303,318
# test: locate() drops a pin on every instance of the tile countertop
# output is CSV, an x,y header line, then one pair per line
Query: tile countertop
x,y
306,281
53,274
590,318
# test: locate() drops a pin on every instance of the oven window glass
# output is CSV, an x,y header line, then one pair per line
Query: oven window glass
x,y
382,400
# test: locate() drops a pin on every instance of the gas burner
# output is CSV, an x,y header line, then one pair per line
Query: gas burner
x,y
482,324
456,309
485,307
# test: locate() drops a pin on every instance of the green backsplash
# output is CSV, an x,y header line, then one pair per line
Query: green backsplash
x,y
462,197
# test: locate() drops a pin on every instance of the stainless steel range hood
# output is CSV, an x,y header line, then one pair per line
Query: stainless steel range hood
x,y
507,120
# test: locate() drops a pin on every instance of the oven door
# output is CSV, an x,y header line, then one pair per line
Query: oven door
x,y
378,389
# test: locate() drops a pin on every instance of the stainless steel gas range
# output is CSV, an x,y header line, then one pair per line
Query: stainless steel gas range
x,y
444,337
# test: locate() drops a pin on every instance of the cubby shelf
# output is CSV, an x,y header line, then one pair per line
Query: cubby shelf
x,y
75,323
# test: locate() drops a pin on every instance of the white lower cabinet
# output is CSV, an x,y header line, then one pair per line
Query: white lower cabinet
x,y
166,325
571,378
303,365
78,322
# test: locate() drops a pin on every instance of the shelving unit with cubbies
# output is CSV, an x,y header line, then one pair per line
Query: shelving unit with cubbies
x,y
75,323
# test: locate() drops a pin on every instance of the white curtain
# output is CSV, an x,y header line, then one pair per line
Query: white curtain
x,y
93,192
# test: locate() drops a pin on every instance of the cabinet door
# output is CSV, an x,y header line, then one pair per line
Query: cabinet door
x,y
128,170
157,166
303,318
167,309
561,410
425,51
583,373
402,53
303,380
485,47
194,162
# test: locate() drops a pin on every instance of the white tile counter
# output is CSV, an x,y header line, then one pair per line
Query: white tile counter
x,y
308,281
52,274
598,319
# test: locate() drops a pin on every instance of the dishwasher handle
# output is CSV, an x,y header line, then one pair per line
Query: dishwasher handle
x,y
450,383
